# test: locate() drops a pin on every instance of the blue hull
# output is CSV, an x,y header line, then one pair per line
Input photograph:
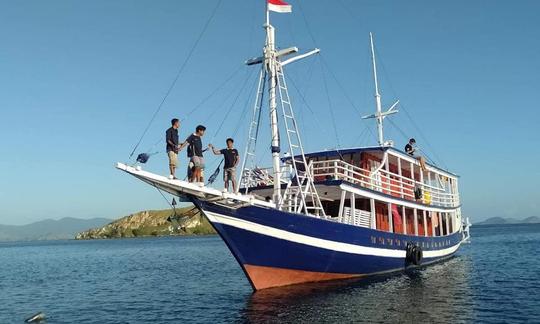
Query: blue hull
x,y
278,248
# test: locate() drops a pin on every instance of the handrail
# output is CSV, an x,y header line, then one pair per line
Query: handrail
x,y
384,182
383,162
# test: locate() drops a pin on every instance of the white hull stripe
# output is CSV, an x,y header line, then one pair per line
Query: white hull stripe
x,y
317,242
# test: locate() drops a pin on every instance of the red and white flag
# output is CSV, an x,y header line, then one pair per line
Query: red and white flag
x,y
279,6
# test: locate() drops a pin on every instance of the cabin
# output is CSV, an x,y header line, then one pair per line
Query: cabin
x,y
381,188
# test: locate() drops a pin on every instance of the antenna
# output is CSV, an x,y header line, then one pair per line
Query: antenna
x,y
379,115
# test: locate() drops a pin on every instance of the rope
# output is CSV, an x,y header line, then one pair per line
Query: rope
x,y
430,160
310,33
180,70
203,101
307,105
402,108
248,75
330,105
213,92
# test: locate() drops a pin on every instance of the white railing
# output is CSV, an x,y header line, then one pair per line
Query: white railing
x,y
384,181
260,177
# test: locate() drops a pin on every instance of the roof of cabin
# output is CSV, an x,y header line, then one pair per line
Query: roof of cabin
x,y
338,152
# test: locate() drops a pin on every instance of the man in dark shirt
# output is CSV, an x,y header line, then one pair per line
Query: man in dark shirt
x,y
171,138
410,149
231,157
195,154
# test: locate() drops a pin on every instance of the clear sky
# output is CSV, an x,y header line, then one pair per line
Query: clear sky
x,y
79,81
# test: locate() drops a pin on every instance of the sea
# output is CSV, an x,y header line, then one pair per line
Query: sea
x,y
494,279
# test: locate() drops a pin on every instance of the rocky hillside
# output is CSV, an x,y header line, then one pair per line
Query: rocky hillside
x,y
187,221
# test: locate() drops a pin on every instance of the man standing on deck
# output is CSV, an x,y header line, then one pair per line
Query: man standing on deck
x,y
171,138
231,157
195,153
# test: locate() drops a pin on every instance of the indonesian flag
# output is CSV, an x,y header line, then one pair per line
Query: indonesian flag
x,y
279,6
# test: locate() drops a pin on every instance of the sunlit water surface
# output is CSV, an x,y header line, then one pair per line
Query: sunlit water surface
x,y
172,280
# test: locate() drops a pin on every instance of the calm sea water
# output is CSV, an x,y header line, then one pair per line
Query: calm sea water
x,y
170,280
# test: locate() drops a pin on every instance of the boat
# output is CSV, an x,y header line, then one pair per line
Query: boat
x,y
328,214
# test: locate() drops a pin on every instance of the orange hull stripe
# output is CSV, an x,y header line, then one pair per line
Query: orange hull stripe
x,y
268,277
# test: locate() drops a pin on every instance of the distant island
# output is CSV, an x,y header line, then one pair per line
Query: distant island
x,y
186,221
49,229
502,220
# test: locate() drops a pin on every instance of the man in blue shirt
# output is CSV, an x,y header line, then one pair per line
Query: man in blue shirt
x,y
171,137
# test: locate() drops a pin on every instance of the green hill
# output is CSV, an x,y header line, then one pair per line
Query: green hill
x,y
188,221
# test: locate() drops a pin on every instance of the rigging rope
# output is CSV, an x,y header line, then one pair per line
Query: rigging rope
x,y
249,73
203,101
330,106
322,58
180,70
402,108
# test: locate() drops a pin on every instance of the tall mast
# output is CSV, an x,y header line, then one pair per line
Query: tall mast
x,y
377,94
379,114
272,67
270,64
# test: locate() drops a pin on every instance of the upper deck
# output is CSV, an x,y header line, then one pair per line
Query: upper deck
x,y
382,169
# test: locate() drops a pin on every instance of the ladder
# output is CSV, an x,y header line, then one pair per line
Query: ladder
x,y
248,164
300,193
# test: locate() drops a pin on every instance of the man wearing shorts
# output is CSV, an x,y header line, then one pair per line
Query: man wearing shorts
x,y
171,138
195,153
231,157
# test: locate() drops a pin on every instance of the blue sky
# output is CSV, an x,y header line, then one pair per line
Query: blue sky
x,y
79,80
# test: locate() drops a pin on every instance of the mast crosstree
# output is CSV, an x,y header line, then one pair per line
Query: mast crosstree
x,y
299,194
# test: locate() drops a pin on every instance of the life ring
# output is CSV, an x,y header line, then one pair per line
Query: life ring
x,y
414,254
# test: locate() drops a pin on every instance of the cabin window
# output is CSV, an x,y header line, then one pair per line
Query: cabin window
x,y
409,215
381,216
356,159
436,224
331,208
429,226
443,225
420,219
363,204
397,218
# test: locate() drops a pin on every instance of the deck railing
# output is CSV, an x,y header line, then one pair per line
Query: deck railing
x,y
380,180
384,181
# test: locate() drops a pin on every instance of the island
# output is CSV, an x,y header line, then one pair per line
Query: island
x,y
502,220
169,222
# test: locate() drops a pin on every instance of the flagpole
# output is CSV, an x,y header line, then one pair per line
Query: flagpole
x,y
267,13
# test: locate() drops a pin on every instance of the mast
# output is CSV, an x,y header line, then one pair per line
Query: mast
x,y
379,114
272,67
377,94
270,64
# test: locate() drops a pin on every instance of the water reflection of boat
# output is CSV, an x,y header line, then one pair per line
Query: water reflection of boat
x,y
438,294
324,215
